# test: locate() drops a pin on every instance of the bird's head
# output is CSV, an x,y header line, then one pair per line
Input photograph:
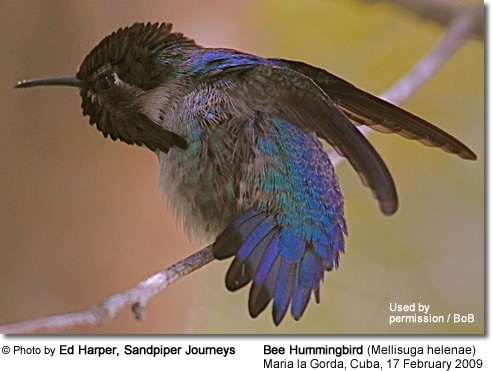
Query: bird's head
x,y
120,80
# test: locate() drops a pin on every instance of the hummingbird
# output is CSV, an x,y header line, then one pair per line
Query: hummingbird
x,y
239,142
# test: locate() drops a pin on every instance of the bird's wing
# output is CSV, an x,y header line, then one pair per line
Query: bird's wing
x,y
380,115
295,98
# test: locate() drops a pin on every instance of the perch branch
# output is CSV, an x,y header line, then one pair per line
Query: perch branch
x,y
103,312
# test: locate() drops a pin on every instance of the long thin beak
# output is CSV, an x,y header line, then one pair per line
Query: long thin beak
x,y
56,81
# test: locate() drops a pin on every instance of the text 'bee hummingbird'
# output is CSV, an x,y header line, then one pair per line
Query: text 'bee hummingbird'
x,y
238,142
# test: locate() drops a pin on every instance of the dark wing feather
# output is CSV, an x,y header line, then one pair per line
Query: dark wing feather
x,y
298,100
380,115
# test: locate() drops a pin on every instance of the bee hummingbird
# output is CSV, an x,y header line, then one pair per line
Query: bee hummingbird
x,y
238,139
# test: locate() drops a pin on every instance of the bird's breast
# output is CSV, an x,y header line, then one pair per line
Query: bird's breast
x,y
209,184
258,162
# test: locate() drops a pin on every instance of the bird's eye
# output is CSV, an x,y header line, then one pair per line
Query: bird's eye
x,y
105,82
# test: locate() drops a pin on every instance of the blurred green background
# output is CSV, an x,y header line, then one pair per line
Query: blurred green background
x,y
82,218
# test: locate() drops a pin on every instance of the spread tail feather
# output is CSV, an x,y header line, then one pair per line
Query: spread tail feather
x,y
281,266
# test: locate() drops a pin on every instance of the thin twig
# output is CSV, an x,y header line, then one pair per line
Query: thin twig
x,y
456,36
445,12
